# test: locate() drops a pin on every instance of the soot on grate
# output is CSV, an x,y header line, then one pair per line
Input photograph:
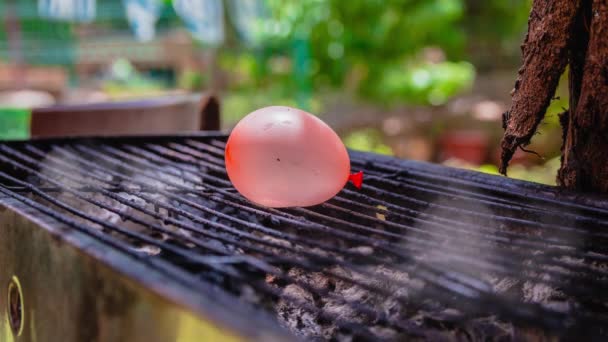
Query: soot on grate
x,y
414,254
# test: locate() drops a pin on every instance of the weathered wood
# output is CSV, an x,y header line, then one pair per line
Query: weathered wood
x,y
209,113
545,55
585,152
75,289
560,32
186,113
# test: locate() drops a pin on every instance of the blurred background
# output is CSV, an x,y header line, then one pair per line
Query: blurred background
x,y
417,79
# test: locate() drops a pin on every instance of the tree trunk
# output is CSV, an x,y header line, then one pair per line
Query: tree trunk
x,y
562,32
585,151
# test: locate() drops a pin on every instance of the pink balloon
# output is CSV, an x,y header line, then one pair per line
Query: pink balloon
x,y
284,157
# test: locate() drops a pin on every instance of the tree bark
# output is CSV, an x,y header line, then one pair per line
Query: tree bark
x,y
585,151
545,54
561,32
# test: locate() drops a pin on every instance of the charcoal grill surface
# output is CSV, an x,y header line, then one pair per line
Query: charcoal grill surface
x,y
422,251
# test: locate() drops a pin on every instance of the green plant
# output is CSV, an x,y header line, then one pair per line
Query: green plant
x,y
369,46
236,104
192,80
544,174
369,140
14,123
423,83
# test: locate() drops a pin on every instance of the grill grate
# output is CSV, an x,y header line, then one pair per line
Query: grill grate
x,y
416,253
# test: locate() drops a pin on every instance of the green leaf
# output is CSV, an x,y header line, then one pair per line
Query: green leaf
x,y
14,123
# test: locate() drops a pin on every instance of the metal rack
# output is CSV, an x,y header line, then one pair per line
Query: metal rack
x,y
417,238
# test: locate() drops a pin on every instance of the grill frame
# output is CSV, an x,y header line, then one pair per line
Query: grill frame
x,y
461,182
177,303
159,309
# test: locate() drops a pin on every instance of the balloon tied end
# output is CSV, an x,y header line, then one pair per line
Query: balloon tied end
x,y
356,179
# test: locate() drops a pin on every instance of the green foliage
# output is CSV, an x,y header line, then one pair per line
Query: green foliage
x,y
243,68
43,42
497,20
488,168
369,46
423,84
369,140
305,48
366,26
192,80
495,30
237,104
559,103
544,174
14,123
125,81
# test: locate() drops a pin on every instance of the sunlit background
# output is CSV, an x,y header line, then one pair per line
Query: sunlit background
x,y
417,79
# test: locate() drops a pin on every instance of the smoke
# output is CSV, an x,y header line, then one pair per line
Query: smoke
x,y
453,244
468,248
77,172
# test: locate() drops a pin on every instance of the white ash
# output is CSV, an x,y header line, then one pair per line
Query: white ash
x,y
294,317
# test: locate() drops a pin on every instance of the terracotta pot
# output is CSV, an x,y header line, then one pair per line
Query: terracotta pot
x,y
467,145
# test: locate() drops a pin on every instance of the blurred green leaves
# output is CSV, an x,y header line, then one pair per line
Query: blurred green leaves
x,y
367,139
14,123
368,47
495,30
123,80
236,104
421,84
192,80
544,173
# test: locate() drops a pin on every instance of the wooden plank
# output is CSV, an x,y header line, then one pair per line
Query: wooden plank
x,y
69,294
154,116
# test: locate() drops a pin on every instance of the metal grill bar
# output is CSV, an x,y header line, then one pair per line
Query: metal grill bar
x,y
522,240
213,263
469,260
178,189
446,185
320,261
498,190
360,216
388,187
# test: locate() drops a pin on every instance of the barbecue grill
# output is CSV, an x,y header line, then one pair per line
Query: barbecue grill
x,y
144,239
